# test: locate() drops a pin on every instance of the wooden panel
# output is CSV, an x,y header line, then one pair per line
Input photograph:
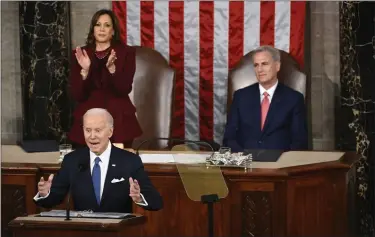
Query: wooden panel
x,y
13,204
257,208
317,205
17,191
353,211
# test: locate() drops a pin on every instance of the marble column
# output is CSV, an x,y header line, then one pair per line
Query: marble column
x,y
45,53
356,112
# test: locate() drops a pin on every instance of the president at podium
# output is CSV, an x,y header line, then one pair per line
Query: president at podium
x,y
100,177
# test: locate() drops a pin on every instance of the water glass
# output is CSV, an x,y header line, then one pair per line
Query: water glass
x,y
225,150
64,149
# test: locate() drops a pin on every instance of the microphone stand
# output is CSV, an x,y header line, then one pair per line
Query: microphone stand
x,y
68,207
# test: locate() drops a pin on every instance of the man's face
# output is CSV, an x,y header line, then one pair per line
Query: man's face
x,y
265,68
97,132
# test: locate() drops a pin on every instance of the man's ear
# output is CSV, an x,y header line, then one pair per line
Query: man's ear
x,y
110,132
278,65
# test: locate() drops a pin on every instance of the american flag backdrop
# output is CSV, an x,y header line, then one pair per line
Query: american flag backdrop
x,y
203,40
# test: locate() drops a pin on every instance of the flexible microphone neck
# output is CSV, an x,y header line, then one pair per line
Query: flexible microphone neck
x,y
173,139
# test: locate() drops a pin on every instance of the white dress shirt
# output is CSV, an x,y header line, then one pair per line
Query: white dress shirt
x,y
270,92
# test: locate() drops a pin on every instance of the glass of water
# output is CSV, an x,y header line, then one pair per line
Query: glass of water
x,y
64,149
225,150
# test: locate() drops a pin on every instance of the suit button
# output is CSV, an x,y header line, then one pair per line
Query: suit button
x,y
260,142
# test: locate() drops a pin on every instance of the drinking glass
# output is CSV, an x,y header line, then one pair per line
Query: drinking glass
x,y
64,149
224,150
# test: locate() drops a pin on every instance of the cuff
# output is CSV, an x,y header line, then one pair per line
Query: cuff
x,y
143,203
38,197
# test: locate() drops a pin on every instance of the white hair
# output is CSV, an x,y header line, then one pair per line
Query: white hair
x,y
275,53
100,111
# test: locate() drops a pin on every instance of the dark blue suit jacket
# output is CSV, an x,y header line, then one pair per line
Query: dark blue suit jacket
x,y
75,173
285,127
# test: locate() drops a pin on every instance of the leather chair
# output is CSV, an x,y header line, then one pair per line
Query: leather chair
x,y
243,75
152,95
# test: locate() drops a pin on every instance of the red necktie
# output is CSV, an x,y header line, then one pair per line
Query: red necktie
x,y
264,108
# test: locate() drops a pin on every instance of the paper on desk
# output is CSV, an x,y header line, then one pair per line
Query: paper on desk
x,y
190,158
86,214
157,158
174,158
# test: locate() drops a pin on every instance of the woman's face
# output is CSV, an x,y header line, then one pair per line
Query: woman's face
x,y
103,30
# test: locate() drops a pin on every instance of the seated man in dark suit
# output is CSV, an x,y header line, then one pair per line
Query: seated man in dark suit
x,y
266,115
100,177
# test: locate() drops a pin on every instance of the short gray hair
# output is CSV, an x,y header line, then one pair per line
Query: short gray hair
x,y
100,111
275,53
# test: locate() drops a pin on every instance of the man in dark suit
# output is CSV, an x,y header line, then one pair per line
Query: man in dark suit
x,y
266,115
100,177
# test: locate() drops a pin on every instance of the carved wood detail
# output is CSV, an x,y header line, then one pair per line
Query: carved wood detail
x,y
256,214
13,204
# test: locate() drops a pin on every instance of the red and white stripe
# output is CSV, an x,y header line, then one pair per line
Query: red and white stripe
x,y
203,40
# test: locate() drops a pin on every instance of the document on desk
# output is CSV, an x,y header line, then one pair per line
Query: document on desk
x,y
86,214
157,158
174,158
197,158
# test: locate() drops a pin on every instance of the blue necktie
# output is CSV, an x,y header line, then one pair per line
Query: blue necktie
x,y
96,179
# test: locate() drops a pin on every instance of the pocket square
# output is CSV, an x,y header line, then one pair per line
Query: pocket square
x,y
117,180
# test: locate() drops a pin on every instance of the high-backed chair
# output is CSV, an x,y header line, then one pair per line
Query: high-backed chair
x,y
244,75
152,96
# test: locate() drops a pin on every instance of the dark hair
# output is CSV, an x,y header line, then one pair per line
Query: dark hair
x,y
90,41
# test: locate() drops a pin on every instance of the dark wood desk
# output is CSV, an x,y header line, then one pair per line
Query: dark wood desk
x,y
310,200
33,226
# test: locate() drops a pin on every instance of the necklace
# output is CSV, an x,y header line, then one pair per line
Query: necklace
x,y
102,54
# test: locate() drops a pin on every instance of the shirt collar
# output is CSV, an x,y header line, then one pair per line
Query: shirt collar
x,y
270,91
104,157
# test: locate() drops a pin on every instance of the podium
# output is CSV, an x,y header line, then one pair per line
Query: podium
x,y
36,226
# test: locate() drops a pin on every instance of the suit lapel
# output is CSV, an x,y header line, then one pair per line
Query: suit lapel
x,y
111,174
85,177
256,108
274,107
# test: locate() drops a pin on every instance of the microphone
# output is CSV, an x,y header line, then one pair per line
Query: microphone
x,y
173,139
81,167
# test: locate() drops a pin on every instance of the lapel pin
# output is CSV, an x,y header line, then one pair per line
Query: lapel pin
x,y
114,165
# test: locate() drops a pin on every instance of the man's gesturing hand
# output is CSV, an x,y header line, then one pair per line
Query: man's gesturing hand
x,y
135,190
44,186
